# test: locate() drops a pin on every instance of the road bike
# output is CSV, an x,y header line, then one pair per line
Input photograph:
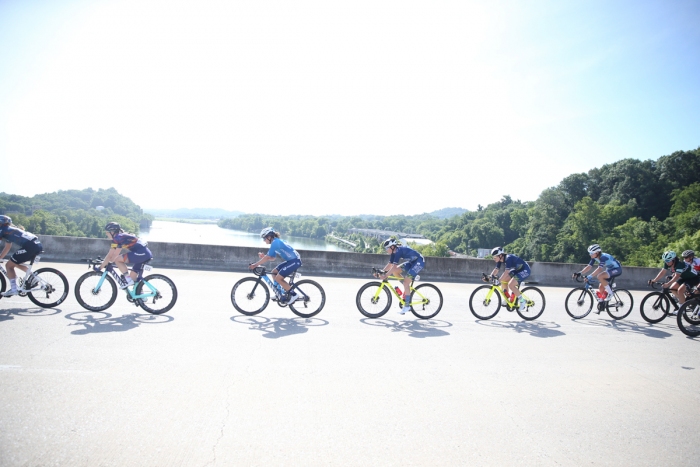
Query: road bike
x,y
97,291
251,295
486,300
688,318
579,302
657,305
374,298
45,287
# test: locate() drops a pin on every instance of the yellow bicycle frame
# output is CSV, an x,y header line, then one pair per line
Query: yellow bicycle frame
x,y
414,292
511,303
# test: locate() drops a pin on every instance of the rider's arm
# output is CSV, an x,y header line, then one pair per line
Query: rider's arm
x,y
597,271
111,256
659,275
262,260
673,280
8,245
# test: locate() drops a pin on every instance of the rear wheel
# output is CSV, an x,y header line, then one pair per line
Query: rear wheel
x,y
620,305
579,303
50,290
535,303
311,301
92,295
426,301
689,318
250,296
373,300
485,302
654,307
161,291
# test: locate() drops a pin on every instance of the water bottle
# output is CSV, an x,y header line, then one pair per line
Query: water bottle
x,y
505,292
398,291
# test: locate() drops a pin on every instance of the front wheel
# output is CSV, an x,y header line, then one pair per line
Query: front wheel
x,y
485,302
95,293
250,296
620,305
373,299
535,303
311,299
579,303
160,294
689,318
654,307
50,290
426,301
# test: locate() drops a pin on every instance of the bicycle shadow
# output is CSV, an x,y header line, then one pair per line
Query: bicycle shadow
x,y
542,329
417,328
630,326
274,328
9,314
100,321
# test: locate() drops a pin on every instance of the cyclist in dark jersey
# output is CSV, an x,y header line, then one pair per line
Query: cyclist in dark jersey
x,y
409,269
137,253
684,275
29,247
516,271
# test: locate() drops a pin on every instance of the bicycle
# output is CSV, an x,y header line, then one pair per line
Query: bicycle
x,y
688,318
579,302
41,286
487,300
97,291
659,303
374,298
251,295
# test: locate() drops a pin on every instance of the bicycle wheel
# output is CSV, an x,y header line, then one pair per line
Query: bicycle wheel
x,y
484,302
250,296
689,318
426,301
654,307
312,299
579,302
535,303
373,302
620,305
2,284
53,288
90,296
162,294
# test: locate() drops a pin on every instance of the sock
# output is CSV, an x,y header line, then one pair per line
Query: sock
x,y
13,284
608,290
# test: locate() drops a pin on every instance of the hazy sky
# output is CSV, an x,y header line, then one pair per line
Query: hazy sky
x,y
321,107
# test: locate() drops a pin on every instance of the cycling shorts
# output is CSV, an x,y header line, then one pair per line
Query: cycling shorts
x,y
288,267
614,272
412,269
690,282
27,252
521,275
138,258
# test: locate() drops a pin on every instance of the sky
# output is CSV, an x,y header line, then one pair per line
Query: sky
x,y
318,107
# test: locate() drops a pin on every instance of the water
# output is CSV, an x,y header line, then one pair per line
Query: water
x,y
212,234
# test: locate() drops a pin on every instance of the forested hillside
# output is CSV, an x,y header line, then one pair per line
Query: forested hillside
x,y
74,212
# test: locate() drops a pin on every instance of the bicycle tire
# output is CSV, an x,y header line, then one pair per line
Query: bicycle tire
x,y
254,297
688,318
53,282
579,302
365,300
3,284
535,303
430,305
654,307
166,294
620,305
93,300
477,300
312,295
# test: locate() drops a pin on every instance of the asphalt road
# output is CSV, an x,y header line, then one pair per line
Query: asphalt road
x,y
206,386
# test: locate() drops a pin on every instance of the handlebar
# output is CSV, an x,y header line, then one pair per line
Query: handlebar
x,y
376,272
93,262
259,270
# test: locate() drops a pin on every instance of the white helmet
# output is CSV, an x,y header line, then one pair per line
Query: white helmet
x,y
389,242
267,231
497,251
595,248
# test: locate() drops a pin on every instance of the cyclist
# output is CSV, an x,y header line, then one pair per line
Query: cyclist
x,y
292,260
689,257
29,246
683,275
608,267
409,269
516,271
137,253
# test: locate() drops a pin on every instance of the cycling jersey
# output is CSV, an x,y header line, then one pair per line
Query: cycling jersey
x,y
681,267
128,242
696,265
605,261
513,264
17,236
405,253
282,248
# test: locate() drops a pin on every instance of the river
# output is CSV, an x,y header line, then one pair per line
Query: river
x,y
212,234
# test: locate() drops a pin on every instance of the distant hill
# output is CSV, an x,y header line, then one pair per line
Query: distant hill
x,y
195,213
446,213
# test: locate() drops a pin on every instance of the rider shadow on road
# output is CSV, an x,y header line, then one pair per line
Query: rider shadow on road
x,y
274,328
419,328
541,329
10,313
630,326
100,321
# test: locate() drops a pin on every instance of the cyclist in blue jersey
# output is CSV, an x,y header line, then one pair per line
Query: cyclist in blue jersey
x,y
292,260
137,253
608,267
684,275
516,271
409,269
29,247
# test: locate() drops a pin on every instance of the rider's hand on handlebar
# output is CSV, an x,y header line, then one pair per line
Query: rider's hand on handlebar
x,y
96,268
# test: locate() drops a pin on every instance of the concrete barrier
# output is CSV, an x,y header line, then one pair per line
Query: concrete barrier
x,y
322,263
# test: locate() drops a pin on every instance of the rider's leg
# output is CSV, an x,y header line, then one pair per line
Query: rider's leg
x,y
674,289
681,293
280,280
603,278
513,286
120,261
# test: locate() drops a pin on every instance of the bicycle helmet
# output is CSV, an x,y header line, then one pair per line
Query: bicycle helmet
x,y
668,256
497,251
389,242
687,253
595,248
5,220
266,232
113,227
